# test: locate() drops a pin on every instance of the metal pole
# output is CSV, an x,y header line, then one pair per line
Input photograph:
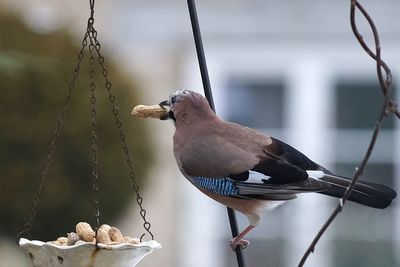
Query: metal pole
x,y
200,52
208,93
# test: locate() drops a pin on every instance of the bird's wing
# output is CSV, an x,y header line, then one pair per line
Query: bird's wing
x,y
253,164
284,164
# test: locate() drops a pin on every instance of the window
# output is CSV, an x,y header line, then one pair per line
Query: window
x,y
358,104
251,96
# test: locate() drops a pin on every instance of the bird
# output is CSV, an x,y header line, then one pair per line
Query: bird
x,y
247,170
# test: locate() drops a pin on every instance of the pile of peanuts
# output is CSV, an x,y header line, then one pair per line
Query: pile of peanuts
x,y
106,234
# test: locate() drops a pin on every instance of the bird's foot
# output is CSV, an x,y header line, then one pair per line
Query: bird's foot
x,y
234,242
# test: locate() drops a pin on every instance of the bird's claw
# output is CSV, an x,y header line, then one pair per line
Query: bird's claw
x,y
240,242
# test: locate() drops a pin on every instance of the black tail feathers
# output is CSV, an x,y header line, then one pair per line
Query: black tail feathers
x,y
365,193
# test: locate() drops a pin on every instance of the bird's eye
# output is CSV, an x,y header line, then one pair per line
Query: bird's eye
x,y
173,99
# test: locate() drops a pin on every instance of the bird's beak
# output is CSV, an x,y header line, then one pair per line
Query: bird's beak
x,y
169,115
164,103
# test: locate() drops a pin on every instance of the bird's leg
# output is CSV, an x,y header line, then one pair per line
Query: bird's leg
x,y
238,241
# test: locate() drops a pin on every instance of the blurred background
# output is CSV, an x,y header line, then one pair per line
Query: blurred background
x,y
292,69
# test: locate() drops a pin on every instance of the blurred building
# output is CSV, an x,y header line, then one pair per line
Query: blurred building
x,y
289,68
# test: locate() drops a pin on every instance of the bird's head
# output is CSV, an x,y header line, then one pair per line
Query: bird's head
x,y
186,104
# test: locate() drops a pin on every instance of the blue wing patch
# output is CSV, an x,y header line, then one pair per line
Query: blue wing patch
x,y
221,186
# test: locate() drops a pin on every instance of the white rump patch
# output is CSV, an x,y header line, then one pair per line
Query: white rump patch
x,y
316,174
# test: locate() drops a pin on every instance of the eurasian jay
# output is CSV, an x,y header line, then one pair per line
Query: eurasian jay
x,y
247,170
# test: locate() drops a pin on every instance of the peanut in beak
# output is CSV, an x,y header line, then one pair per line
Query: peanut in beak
x,y
154,111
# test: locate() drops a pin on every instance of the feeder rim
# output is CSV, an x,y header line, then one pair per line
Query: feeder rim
x,y
151,244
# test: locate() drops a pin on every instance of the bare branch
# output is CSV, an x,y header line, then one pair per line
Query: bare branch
x,y
342,201
389,106
377,55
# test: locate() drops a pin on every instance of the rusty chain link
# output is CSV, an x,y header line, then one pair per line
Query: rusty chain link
x,y
93,114
118,124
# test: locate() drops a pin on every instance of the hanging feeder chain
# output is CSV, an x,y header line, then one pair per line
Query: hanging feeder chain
x,y
95,44
91,18
93,114
91,33
52,145
118,124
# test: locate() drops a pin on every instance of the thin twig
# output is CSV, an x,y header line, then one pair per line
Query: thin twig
x,y
347,193
375,56
389,105
386,84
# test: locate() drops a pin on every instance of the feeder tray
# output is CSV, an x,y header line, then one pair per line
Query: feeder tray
x,y
87,254
106,247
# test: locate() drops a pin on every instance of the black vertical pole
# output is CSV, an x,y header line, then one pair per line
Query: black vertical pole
x,y
200,52
208,93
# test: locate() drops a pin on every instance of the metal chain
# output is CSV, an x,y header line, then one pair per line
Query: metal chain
x,y
118,124
91,4
139,199
94,45
53,141
94,127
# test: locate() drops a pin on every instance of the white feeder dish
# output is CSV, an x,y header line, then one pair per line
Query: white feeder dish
x,y
87,254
